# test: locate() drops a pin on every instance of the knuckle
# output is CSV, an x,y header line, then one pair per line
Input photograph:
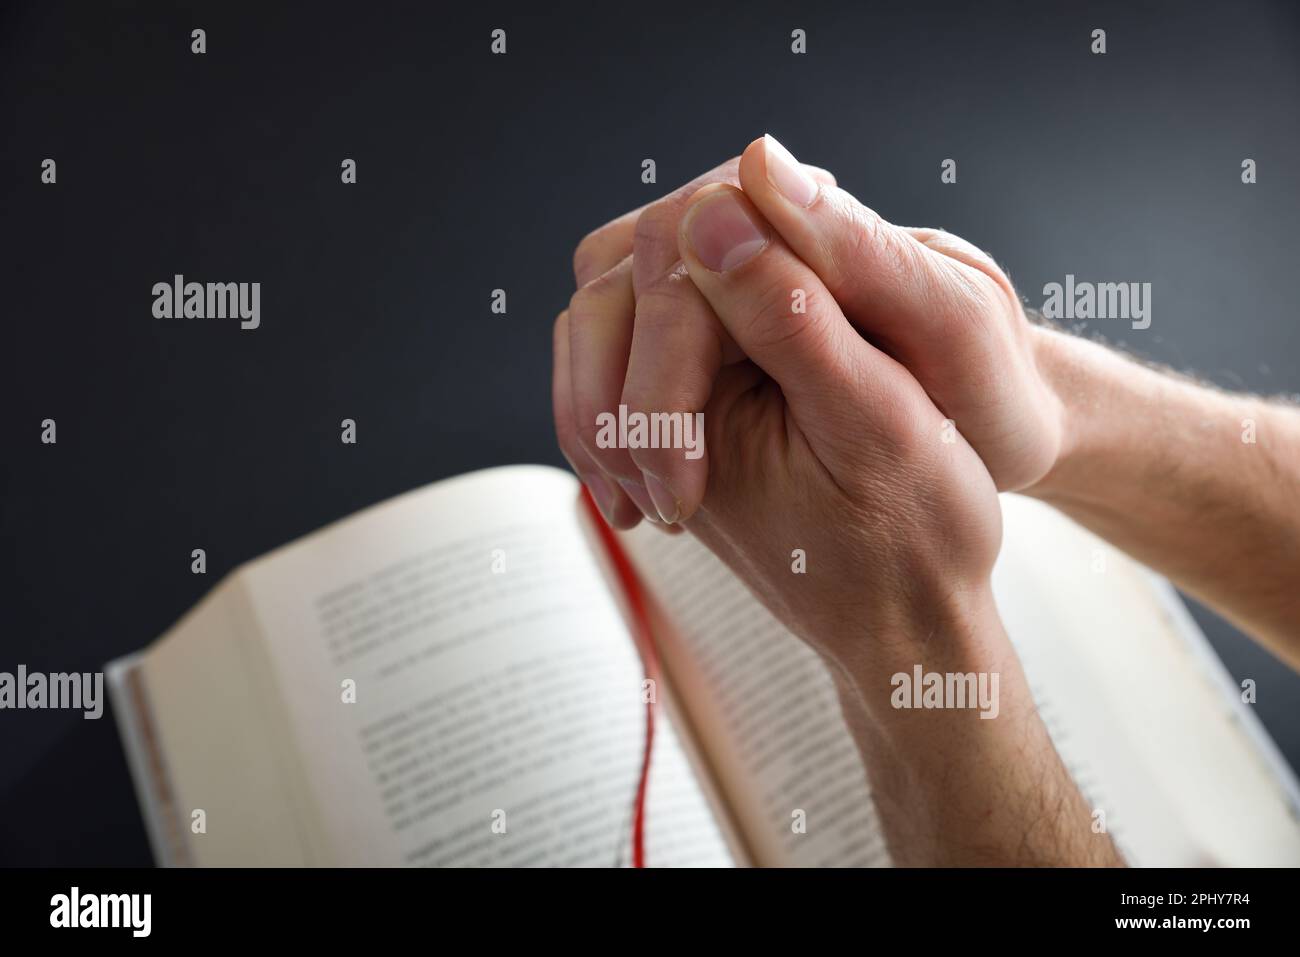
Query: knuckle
x,y
652,396
905,433
588,253
770,332
869,241
998,286
578,304
977,273
644,387
590,297
644,390
985,292
983,296
659,305
655,229
728,172
774,324
640,399
886,247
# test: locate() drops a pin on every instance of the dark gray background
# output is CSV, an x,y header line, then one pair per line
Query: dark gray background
x,y
476,172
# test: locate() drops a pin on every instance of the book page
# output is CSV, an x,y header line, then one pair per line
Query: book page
x,y
1127,688
211,748
461,689
765,708
1148,736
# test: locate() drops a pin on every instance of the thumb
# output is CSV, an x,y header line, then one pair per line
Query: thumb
x,y
783,318
893,286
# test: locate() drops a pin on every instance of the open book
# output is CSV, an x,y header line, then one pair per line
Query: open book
x,y
449,678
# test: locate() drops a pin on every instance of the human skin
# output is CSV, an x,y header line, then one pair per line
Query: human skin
x,y
619,356
1200,484
1154,463
820,440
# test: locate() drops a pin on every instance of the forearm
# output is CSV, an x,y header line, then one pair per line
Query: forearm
x,y
953,788
1201,485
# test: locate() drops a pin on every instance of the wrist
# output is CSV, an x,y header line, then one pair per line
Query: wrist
x,y
949,629
954,784
1070,369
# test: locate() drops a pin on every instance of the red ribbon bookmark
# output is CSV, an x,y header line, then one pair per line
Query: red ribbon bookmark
x,y
643,635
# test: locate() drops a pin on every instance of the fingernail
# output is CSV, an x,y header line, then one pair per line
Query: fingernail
x,y
786,174
602,492
638,494
722,233
665,501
